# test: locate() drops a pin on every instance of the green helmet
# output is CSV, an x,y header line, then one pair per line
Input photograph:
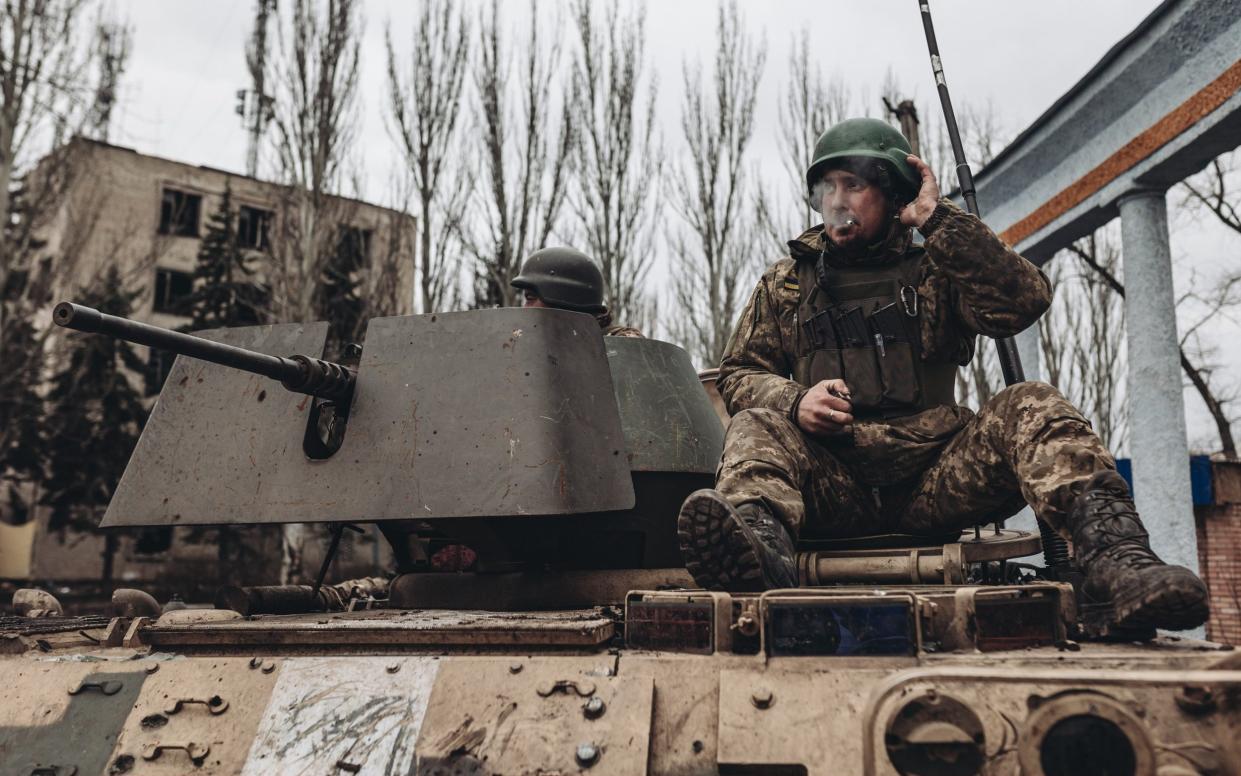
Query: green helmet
x,y
565,278
866,138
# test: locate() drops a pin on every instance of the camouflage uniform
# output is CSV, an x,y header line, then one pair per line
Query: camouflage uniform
x,y
938,469
613,330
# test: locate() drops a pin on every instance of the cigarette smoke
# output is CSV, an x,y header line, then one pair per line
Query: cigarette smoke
x,y
839,219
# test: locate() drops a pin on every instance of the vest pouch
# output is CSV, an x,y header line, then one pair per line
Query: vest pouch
x,y
824,364
897,369
897,358
863,377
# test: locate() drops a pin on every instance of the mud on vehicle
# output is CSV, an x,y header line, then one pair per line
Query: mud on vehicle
x,y
554,460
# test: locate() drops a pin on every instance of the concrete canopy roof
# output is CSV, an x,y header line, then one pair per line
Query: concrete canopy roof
x,y
1158,107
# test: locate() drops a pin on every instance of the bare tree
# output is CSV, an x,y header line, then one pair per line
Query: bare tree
x,y
714,252
525,167
808,108
616,154
256,112
1098,364
982,132
1061,317
425,111
64,195
315,117
314,83
977,381
1199,376
380,288
1214,190
1081,336
1211,189
112,39
41,100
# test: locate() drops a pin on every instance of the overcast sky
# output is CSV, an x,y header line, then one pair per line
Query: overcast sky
x,y
187,62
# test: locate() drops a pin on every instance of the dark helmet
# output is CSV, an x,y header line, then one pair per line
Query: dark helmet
x,y
563,277
866,139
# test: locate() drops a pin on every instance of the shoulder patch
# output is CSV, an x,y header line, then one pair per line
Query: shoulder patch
x,y
790,282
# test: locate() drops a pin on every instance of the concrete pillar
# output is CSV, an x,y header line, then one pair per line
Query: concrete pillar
x,y
1157,442
1031,353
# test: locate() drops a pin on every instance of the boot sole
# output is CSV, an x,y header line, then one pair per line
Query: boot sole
x,y
717,547
1175,600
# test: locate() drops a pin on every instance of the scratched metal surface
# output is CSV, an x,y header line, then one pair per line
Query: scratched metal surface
x,y
668,420
486,717
221,445
343,715
584,627
486,413
483,413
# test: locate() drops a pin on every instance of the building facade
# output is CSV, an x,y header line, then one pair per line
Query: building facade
x,y
147,217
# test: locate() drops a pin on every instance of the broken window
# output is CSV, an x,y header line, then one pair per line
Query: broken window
x,y
178,213
252,227
353,247
171,289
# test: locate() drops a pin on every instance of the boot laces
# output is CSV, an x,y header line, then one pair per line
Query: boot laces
x,y
1118,521
766,527
758,525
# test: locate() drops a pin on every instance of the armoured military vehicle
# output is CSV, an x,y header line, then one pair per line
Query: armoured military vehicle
x,y
575,642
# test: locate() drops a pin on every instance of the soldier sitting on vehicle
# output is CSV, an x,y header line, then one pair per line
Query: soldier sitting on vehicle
x,y
568,280
840,375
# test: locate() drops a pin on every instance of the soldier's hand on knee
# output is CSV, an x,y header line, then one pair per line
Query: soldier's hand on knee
x,y
826,409
917,212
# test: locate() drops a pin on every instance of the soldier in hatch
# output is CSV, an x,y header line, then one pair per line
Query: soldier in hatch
x,y
839,377
568,280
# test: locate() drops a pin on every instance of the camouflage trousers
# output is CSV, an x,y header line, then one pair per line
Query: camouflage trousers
x,y
1028,444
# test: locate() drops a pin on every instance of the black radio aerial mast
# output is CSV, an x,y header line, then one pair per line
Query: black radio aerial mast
x,y
1055,548
1010,359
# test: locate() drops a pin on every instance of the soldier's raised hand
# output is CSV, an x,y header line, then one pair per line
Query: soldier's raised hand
x,y
826,409
917,212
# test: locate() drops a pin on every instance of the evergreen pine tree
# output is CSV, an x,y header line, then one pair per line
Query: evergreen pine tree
x,y
93,419
225,293
21,356
20,411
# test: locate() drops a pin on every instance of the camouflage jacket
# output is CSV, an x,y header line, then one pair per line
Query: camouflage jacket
x,y
614,330
971,284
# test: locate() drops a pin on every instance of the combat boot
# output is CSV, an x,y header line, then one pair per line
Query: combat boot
x,y
742,549
1127,588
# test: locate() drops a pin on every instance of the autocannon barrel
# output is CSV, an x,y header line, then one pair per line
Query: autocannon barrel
x,y
302,374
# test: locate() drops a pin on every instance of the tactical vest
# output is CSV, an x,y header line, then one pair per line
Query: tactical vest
x,y
863,325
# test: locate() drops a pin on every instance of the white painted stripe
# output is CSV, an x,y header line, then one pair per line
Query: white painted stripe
x,y
352,710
